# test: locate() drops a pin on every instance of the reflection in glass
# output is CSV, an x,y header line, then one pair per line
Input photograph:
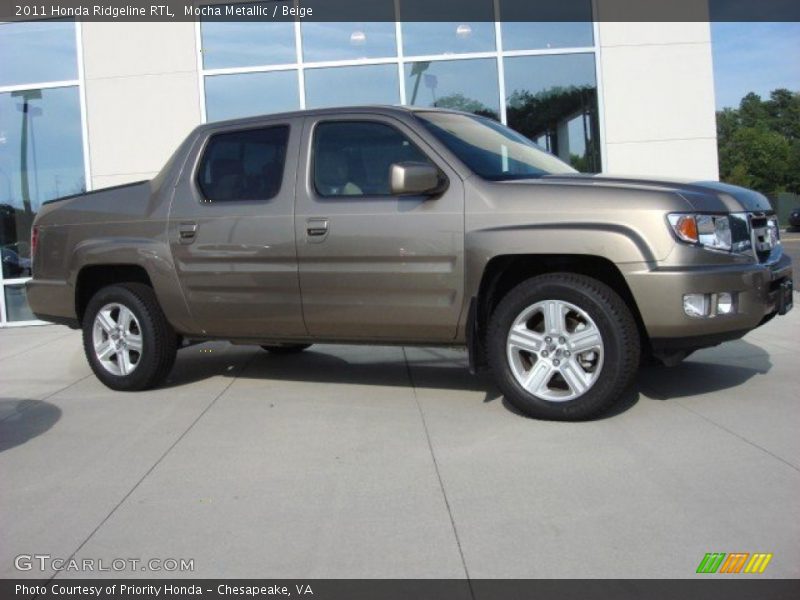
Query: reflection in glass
x,y
250,94
247,43
468,85
331,39
41,157
490,149
534,36
17,308
427,29
421,39
343,86
553,100
37,52
534,25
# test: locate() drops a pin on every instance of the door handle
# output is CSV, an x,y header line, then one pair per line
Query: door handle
x,y
187,232
317,228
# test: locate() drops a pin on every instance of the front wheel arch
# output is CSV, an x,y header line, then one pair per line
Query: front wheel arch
x,y
504,272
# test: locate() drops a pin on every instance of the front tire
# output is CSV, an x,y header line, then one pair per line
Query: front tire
x,y
127,339
563,346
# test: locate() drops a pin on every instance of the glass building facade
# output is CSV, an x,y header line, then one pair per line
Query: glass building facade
x,y
41,142
540,78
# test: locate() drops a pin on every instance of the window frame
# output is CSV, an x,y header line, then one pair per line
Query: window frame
x,y
201,155
313,158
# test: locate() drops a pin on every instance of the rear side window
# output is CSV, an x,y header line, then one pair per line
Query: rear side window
x,y
353,158
243,165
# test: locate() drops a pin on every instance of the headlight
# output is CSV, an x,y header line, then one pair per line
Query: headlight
x,y
729,233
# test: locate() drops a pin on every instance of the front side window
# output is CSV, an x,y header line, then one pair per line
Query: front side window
x,y
354,158
243,165
491,150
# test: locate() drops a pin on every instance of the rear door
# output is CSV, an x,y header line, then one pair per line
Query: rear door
x,y
232,232
374,265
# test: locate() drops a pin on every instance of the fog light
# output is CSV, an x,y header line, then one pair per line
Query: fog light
x,y
725,305
695,305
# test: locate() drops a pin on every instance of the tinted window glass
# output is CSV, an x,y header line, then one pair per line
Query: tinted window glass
x,y
37,52
250,94
329,38
248,43
41,157
343,86
354,158
17,308
244,165
553,100
468,85
534,36
490,149
426,29
533,25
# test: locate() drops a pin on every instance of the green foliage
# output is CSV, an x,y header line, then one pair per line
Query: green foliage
x,y
759,143
459,101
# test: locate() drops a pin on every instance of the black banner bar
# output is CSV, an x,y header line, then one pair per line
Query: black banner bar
x,y
404,10
705,587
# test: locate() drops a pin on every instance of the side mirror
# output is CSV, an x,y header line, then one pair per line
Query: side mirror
x,y
416,179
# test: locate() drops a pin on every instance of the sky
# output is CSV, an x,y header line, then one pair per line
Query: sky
x,y
754,57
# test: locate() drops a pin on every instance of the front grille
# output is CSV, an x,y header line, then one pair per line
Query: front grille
x,y
764,232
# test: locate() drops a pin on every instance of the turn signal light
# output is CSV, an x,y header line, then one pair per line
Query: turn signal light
x,y
686,228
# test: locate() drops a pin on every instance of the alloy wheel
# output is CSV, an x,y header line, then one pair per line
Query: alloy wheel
x,y
117,339
555,350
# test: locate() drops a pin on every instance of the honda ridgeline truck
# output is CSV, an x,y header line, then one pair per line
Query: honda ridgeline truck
x,y
387,225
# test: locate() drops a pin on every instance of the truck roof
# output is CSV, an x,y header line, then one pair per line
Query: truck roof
x,y
383,109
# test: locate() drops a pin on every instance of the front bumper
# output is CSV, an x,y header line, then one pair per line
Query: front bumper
x,y
761,291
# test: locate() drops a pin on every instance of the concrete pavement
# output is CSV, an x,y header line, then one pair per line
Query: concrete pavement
x,y
353,461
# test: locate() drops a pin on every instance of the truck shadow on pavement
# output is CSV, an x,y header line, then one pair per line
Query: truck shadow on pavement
x,y
706,372
419,367
22,420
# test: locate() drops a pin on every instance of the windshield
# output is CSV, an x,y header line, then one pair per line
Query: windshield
x,y
490,149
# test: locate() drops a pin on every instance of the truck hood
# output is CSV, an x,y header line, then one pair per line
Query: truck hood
x,y
708,196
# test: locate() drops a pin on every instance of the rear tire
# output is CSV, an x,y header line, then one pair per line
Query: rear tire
x,y
563,346
285,348
127,339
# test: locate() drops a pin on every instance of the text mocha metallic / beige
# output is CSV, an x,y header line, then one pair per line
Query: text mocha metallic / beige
x,y
386,225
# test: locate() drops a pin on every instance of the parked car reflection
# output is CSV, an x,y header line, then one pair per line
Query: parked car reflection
x,y
14,265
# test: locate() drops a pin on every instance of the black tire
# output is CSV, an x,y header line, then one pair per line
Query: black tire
x,y
159,340
613,318
285,348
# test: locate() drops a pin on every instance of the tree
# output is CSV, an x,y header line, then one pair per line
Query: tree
x,y
759,142
459,101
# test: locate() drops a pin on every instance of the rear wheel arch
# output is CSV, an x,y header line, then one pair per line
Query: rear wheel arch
x,y
92,278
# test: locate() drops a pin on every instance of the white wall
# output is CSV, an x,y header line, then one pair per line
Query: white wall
x,y
142,96
658,97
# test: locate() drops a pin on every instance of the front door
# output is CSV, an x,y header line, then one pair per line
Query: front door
x,y
374,265
231,231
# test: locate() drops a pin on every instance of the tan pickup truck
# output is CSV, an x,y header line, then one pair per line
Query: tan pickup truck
x,y
388,225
